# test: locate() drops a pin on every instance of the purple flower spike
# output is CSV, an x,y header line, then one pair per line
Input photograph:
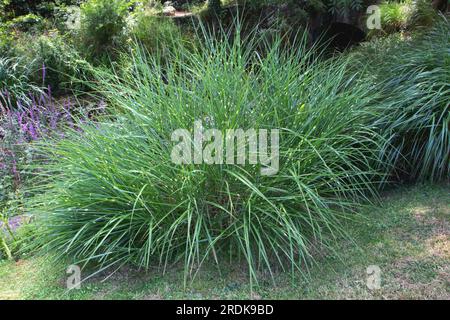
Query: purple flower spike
x,y
44,72
32,131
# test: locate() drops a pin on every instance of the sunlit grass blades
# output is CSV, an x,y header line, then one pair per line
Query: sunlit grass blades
x,y
114,196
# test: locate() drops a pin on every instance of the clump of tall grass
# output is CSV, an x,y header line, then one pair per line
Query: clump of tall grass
x,y
15,79
414,78
114,196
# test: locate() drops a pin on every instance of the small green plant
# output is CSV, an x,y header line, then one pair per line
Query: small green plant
x,y
17,232
6,235
26,22
4,245
406,15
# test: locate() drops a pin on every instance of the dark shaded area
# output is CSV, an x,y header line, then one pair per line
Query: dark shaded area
x,y
46,8
336,35
341,36
441,5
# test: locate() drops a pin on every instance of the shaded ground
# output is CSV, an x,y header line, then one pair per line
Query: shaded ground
x,y
408,238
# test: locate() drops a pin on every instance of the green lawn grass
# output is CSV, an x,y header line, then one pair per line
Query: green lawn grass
x,y
408,237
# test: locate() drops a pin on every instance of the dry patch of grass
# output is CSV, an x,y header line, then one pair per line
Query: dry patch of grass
x,y
411,244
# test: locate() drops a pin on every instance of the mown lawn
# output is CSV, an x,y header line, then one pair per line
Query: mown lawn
x,y
408,237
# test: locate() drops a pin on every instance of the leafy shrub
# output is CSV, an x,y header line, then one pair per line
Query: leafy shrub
x,y
53,61
25,22
32,16
156,35
423,14
6,39
102,26
395,15
15,8
404,15
116,196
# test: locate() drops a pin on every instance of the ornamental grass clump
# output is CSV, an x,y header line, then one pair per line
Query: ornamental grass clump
x,y
113,195
413,76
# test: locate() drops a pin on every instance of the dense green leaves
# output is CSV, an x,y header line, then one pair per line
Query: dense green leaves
x,y
102,26
114,195
414,77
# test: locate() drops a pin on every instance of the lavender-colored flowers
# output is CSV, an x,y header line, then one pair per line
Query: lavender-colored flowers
x,y
25,121
41,117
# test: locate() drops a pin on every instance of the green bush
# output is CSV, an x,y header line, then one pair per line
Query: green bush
x,y
423,14
103,24
22,245
8,239
395,15
6,39
405,15
15,8
415,80
26,22
157,35
114,196
32,16
52,56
